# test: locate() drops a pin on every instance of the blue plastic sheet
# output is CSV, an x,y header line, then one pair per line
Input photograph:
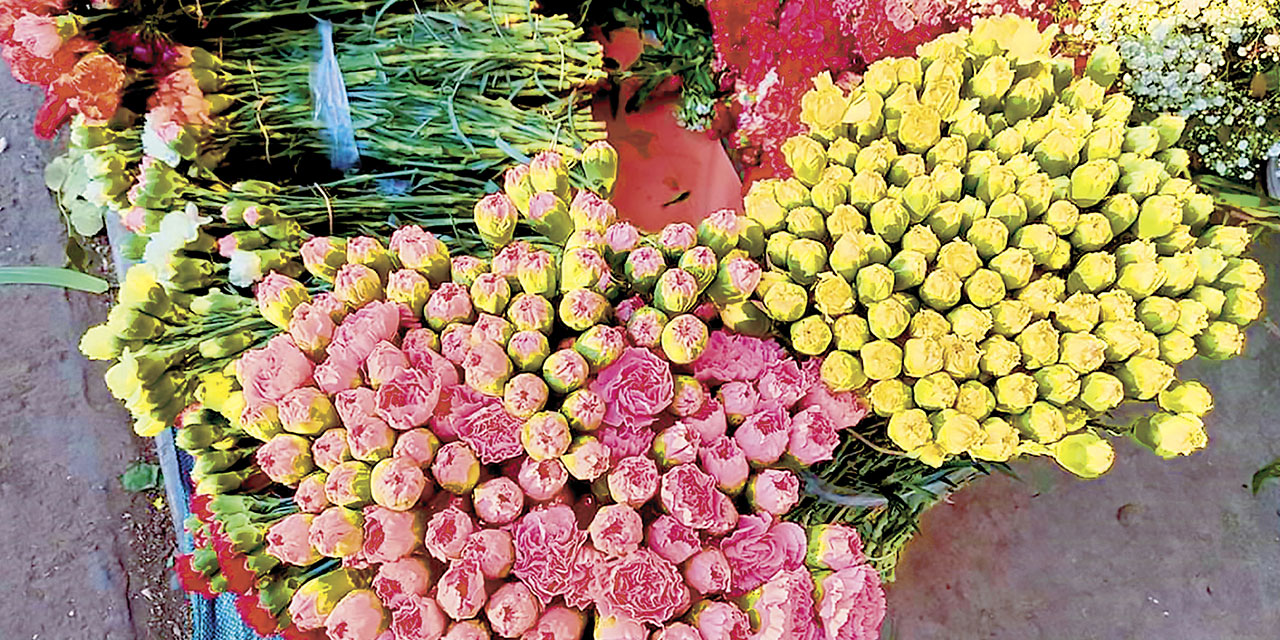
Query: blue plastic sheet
x,y
332,110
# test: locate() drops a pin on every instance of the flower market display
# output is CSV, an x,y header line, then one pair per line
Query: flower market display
x,y
433,384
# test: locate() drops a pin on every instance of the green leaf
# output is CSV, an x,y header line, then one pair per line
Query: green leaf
x,y
53,276
1264,474
140,476
86,217
55,174
77,180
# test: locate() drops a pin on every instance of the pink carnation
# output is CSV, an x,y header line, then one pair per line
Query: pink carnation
x,y
760,548
447,532
764,436
547,541
813,437
774,491
851,604
844,409
543,479
644,587
784,608
418,618
384,363
493,433
636,387
672,540
710,422
729,357
617,529
625,442
354,405
783,383
688,494
461,592
269,373
739,399
492,551
408,400
708,571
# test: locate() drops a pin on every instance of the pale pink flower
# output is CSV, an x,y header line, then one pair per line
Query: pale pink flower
x,y
760,548
851,604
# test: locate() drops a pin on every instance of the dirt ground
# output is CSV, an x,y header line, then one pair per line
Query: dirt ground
x,y
82,557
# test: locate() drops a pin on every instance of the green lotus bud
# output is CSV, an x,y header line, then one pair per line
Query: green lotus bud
x,y
777,248
684,338
786,302
847,256
747,317
999,356
1137,251
1117,305
875,282
1009,209
949,181
1211,298
762,207
1043,295
850,333
1084,94
1158,217
1015,266
961,357
1036,192
1123,338
887,319
1015,392
1093,272
1061,187
1171,435
1084,454
1143,179
1158,314
805,260
903,96
923,240
909,269
920,129
790,193
1176,241
845,220
928,323
828,194
1196,209
806,157
1079,312
1060,257
843,151
1116,109
1057,154
1100,392
1000,441
995,182
1082,352
881,359
1177,162
1140,279
1042,422
934,392
1242,272
581,268
700,262
1092,181
676,291
807,222
1187,397
1037,239
812,335
1220,340
1103,66
1104,144
984,288
974,399
1177,346
1143,377
951,149
1023,166
922,356
876,157
1010,317
842,371
889,397
1142,140
549,216
941,289
946,220
1058,384
959,257
1025,99
972,127
1149,345
991,82
919,196
942,96
832,295
903,169
889,219
909,429
988,236
1240,306
976,166
644,266
1039,344
970,322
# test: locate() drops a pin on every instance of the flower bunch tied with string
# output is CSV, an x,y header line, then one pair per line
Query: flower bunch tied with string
x,y
552,443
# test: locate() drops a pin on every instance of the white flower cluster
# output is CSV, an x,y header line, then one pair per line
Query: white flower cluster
x,y
1198,58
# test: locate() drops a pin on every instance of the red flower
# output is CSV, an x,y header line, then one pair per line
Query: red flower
x,y
255,615
191,580
235,568
200,506
97,80
293,633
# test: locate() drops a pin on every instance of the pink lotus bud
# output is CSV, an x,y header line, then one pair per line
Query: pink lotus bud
x,y
587,458
813,437
456,468
764,436
538,273
307,411
565,371
774,491
633,481
358,616
834,547
278,296
421,251
455,342
498,501
524,395
461,591
726,515
619,239
417,617
512,610
370,440
330,304
417,445
507,261
531,312
467,630
677,238
337,374
449,303
492,550
285,458
357,285
739,399
287,540
390,535
337,533
491,293
310,496
348,484
316,598
487,368
719,620
548,173
465,269
584,409
645,327
409,288
311,329
600,345
677,631
671,540
402,579
491,328
545,435
261,421
496,216
590,211
676,445
409,399
579,309
322,257
354,405
558,623
370,253
724,460
617,530
708,572
397,483
330,449
689,397
518,187
542,480
384,363
617,627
